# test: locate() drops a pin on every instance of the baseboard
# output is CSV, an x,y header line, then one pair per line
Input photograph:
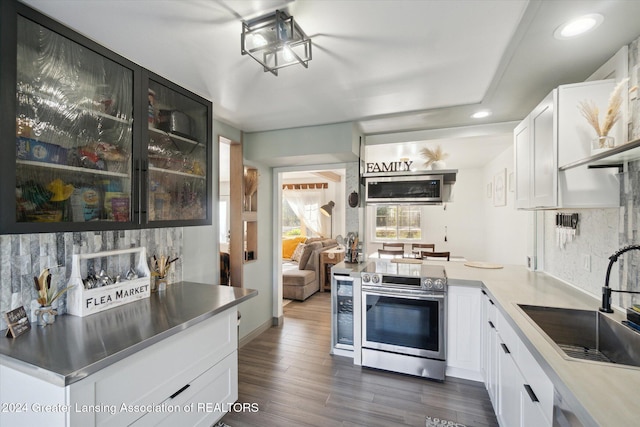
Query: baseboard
x,y
277,321
253,334
466,374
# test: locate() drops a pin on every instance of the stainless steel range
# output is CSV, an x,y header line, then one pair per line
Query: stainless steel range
x,y
404,318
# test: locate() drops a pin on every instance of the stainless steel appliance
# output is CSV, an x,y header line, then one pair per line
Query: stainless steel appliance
x,y
416,188
404,318
342,311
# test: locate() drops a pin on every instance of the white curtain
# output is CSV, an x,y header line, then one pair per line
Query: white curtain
x,y
306,205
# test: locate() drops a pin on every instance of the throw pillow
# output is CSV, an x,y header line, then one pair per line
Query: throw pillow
x,y
297,253
290,245
306,254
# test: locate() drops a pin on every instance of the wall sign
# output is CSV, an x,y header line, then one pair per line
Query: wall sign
x,y
402,166
17,322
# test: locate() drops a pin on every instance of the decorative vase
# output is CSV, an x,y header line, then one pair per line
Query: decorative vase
x,y
158,284
438,164
601,144
46,315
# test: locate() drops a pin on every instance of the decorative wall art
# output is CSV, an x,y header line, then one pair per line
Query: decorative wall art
x,y
500,188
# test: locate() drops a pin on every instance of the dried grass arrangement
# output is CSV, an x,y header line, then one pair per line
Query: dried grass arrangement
x,y
590,111
250,186
433,155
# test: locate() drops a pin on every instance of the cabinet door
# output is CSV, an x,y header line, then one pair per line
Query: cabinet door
x,y
509,385
544,189
464,331
532,412
73,133
522,153
179,134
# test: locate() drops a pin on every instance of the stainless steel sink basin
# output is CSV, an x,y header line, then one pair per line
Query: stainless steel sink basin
x,y
587,334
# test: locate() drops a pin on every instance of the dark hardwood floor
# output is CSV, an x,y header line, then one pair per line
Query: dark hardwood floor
x,y
292,380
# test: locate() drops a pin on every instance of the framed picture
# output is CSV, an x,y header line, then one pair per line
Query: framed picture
x,y
500,188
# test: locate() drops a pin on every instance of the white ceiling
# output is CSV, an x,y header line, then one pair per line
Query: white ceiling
x,y
390,65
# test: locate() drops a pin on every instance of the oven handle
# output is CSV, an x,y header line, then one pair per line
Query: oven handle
x,y
384,293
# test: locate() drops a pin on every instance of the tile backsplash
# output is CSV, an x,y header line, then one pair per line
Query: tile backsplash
x,y
23,256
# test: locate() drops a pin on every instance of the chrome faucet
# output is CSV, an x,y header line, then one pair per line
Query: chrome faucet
x,y
606,290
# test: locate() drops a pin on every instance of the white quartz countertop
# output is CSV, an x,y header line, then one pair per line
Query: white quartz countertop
x,y
600,394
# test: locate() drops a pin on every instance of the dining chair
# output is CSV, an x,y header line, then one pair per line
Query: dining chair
x,y
428,254
391,246
431,246
386,253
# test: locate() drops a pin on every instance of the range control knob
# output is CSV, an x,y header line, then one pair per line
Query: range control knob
x,y
366,278
439,284
428,283
375,278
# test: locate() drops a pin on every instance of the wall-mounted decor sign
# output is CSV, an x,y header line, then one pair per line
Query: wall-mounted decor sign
x,y
17,322
402,166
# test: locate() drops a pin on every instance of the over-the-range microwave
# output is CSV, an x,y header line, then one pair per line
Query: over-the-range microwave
x,y
423,189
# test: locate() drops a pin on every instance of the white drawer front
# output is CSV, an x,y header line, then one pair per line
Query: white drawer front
x,y
150,376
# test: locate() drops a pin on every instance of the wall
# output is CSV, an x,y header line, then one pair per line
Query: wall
x,y
507,230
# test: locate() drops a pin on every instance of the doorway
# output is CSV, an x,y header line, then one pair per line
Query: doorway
x,y
328,184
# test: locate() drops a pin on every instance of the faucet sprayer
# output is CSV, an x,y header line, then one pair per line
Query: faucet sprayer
x,y
606,290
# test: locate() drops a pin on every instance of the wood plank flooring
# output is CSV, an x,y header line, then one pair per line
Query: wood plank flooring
x,y
288,372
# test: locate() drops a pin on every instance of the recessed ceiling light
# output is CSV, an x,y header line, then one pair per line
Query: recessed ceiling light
x,y
578,26
481,114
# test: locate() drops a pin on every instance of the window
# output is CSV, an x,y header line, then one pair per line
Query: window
x,y
290,221
398,223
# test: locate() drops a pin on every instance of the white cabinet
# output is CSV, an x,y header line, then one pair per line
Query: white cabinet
x,y
190,378
555,134
464,331
520,391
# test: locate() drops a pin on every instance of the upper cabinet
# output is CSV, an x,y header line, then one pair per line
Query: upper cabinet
x,y
556,133
99,142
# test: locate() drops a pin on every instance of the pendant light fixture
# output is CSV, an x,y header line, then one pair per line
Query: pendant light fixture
x,y
275,41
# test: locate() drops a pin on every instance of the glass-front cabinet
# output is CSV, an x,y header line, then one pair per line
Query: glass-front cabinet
x,y
100,143
177,155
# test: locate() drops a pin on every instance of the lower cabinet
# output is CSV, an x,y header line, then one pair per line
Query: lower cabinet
x,y
190,378
464,332
520,391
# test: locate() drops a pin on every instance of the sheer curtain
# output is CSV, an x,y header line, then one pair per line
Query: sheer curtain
x,y
306,205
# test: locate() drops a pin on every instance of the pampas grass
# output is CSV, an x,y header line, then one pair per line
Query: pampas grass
x,y
590,111
433,155
250,182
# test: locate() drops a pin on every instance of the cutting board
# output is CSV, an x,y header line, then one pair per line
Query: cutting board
x,y
479,264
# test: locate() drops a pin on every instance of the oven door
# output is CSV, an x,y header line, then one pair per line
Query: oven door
x,y
404,324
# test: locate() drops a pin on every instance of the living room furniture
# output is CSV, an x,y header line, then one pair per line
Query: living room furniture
x,y
301,280
328,259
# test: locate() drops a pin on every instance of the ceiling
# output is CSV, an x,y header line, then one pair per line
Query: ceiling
x,y
389,65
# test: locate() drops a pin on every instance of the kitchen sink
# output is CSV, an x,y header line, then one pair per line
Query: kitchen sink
x,y
587,334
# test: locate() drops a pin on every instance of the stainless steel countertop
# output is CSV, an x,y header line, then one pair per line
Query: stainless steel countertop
x,y
75,347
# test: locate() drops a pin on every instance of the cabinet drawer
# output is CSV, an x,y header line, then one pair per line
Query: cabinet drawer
x,y
207,398
150,376
537,380
507,334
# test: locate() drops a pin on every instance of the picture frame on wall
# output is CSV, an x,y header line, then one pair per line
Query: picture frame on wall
x,y
500,188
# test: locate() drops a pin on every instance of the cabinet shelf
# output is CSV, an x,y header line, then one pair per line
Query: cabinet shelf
x,y
610,158
169,171
73,169
175,136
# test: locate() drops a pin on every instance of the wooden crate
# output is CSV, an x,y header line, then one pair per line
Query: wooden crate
x,y
83,302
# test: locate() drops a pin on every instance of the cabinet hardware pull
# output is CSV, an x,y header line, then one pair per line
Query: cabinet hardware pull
x,y
483,292
531,394
491,302
505,348
179,391
491,324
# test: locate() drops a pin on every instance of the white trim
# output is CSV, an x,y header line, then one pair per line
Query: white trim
x,y
254,334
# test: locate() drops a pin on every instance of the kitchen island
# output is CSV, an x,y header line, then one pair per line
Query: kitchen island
x,y
598,394
146,362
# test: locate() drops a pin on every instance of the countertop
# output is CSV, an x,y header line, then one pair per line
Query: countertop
x,y
600,394
74,347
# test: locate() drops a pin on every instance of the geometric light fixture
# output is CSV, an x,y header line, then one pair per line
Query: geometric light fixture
x,y
275,41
